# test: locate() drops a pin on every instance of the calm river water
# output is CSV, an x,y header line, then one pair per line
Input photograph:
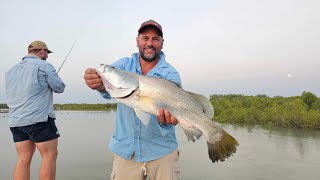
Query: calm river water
x,y
263,154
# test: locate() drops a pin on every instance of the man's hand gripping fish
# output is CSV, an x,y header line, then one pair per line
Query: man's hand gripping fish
x,y
146,95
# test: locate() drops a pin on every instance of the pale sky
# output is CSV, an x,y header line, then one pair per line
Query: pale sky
x,y
219,47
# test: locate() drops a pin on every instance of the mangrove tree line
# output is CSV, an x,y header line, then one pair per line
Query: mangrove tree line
x,y
298,111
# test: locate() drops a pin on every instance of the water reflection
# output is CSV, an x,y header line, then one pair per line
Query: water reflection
x,y
264,153
300,138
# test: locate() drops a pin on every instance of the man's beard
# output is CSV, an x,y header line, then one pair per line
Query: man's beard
x,y
151,58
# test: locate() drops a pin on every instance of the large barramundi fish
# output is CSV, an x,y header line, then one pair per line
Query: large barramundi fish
x,y
146,95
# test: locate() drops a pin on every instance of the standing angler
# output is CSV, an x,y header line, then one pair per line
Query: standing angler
x,y
29,87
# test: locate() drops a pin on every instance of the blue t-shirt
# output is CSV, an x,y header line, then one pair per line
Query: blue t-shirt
x,y
131,136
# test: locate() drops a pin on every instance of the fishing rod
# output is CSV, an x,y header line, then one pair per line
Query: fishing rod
x,y
67,56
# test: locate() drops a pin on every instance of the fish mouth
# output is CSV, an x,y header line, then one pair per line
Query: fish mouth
x,y
127,95
122,93
119,90
117,83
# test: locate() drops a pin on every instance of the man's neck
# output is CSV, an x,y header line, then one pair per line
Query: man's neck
x,y
147,66
34,55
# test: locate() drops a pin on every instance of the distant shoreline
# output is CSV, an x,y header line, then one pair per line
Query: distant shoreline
x,y
85,107
297,111
73,107
4,110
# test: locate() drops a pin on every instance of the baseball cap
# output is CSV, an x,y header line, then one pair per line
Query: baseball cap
x,y
148,24
38,45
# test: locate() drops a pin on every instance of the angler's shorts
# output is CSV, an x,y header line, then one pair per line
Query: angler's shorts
x,y
39,132
163,168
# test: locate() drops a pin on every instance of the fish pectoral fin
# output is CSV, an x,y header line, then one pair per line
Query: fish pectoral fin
x,y
143,116
205,103
192,132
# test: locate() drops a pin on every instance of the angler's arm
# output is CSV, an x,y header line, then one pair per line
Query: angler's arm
x,y
174,77
54,81
93,81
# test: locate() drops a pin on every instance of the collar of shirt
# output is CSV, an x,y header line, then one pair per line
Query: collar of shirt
x,y
161,63
31,56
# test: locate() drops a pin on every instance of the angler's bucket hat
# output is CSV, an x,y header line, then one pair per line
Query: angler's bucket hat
x,y
148,24
38,45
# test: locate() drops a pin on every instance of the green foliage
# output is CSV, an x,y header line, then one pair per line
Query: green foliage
x,y
308,98
85,107
3,106
298,111
316,105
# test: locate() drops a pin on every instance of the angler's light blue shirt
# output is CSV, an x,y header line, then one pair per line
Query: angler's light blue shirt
x,y
131,136
29,89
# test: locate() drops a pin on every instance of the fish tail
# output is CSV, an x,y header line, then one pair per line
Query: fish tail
x,y
222,148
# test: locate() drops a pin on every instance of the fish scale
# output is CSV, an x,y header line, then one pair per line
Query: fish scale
x,y
168,92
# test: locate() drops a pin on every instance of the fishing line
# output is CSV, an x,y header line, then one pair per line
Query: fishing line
x,y
67,56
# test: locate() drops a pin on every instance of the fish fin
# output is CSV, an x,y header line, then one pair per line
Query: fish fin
x,y
223,147
205,103
191,133
143,116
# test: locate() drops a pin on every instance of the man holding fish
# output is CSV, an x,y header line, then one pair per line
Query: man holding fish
x,y
141,150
